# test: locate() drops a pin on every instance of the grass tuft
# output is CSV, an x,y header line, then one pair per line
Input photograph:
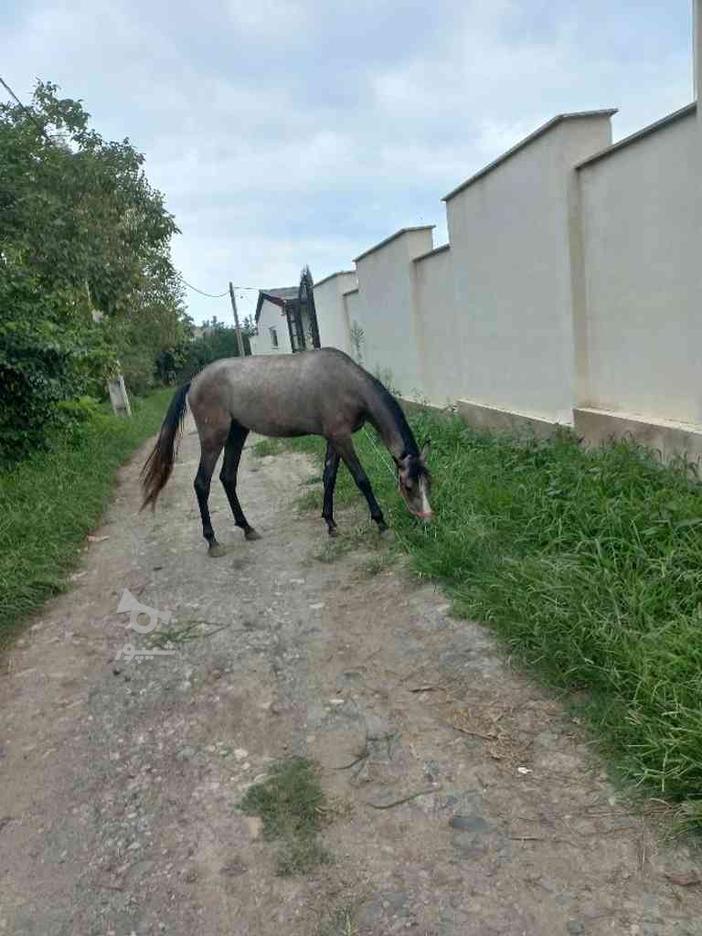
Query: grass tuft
x,y
50,501
339,923
333,549
310,500
291,805
588,564
375,564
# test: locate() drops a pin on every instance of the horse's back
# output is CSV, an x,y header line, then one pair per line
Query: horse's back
x,y
281,394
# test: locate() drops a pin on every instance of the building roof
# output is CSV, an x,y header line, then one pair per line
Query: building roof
x,y
283,292
278,296
559,118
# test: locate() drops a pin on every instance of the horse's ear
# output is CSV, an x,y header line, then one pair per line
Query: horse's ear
x,y
425,449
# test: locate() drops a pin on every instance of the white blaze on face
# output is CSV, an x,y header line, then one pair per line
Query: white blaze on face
x,y
426,507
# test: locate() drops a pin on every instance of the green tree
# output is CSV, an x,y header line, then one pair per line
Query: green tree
x,y
83,236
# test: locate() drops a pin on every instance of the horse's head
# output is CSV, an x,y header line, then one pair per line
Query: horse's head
x,y
415,482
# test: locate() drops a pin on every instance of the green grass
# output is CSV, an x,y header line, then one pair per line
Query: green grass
x,y
268,447
49,502
291,806
588,564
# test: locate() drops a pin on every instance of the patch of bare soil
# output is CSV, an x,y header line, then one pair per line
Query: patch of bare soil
x,y
463,799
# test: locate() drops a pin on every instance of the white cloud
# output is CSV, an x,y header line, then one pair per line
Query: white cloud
x,y
274,20
285,133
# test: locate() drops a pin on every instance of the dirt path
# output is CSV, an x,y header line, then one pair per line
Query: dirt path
x,y
119,780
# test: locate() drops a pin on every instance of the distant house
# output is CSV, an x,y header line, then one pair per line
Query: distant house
x,y
283,322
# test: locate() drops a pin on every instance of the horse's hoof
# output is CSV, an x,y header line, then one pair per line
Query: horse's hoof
x,y
251,535
333,531
216,550
385,533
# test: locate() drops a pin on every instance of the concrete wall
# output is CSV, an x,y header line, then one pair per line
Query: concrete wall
x,y
441,361
489,320
509,235
352,311
642,245
271,317
385,308
570,290
334,326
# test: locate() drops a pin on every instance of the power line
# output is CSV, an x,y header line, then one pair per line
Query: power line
x,y
12,94
25,110
212,295
202,291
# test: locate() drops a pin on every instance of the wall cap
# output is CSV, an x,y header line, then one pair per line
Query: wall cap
x,y
431,253
332,275
404,230
544,128
639,134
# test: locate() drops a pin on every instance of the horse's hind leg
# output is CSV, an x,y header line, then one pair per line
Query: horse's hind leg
x,y
210,447
331,466
344,447
228,475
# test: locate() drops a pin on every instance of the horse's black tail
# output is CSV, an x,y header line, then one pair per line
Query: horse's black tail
x,y
159,465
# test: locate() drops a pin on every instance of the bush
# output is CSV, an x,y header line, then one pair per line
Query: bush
x,y
43,361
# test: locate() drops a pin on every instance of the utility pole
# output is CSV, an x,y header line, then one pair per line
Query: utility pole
x,y
239,339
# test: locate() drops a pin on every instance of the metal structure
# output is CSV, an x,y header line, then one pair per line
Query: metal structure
x,y
298,307
305,301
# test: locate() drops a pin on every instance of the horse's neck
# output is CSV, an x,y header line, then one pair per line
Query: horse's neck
x,y
389,426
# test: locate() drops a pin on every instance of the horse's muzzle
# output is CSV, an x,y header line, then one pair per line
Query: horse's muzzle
x,y
425,515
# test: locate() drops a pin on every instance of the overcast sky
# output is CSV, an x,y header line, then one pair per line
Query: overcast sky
x,y
285,133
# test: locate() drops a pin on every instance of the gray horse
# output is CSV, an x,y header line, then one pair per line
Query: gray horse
x,y
321,393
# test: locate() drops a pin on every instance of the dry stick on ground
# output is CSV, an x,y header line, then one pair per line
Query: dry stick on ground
x,y
184,631
404,799
473,734
539,838
365,753
361,757
466,731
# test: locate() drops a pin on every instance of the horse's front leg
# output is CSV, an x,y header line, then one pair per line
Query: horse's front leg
x,y
331,466
345,448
